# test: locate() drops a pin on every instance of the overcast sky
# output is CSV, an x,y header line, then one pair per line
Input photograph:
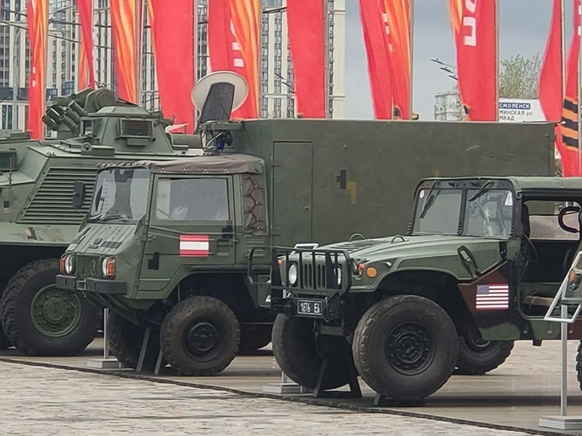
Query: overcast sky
x,y
524,26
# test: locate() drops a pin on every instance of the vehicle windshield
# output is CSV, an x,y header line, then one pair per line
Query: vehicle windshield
x,y
120,194
481,212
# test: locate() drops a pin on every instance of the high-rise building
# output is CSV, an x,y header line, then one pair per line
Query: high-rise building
x,y
276,67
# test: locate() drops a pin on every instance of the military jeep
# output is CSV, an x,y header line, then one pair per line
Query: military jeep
x,y
478,269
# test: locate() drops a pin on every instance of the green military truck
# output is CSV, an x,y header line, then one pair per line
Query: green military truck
x,y
38,221
483,260
167,245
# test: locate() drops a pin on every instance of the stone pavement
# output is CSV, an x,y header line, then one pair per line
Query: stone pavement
x,y
47,401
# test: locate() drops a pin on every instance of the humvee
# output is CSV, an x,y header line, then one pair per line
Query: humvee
x,y
38,221
171,260
478,268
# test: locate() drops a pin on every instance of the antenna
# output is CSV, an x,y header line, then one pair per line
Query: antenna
x,y
218,94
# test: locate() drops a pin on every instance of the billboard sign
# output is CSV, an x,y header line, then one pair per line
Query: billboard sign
x,y
515,110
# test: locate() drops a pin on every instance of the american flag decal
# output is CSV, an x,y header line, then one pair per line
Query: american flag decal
x,y
492,297
194,246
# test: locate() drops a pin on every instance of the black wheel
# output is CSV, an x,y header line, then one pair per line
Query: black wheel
x,y
299,353
477,356
579,365
200,336
41,320
405,347
255,339
4,342
125,340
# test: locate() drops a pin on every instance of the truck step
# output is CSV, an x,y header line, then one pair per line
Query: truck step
x,y
534,300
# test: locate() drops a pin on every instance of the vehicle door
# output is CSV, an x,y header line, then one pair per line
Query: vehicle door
x,y
191,225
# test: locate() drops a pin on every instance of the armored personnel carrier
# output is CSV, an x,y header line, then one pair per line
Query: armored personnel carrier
x,y
38,220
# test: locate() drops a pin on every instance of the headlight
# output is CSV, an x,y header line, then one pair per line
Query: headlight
x,y
338,271
292,274
108,267
69,265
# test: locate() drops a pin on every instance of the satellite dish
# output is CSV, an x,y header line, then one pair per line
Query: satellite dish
x,y
218,94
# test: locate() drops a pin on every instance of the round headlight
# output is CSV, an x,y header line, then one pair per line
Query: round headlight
x,y
338,270
69,265
292,274
108,267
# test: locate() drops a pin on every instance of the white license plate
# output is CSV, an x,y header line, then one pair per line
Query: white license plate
x,y
310,307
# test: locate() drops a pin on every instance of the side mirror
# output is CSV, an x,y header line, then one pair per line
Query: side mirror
x,y
78,195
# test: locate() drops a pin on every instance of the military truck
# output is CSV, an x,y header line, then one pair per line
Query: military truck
x,y
38,221
167,245
480,261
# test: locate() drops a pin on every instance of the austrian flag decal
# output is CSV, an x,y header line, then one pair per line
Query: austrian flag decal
x,y
194,246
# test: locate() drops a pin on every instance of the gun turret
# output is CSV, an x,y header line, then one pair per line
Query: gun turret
x,y
65,113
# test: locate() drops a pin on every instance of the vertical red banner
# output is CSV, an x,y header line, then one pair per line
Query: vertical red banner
x,y
375,31
126,24
399,18
475,29
569,147
246,18
174,60
86,71
220,37
38,35
306,21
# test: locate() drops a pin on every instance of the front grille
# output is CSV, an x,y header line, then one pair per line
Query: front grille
x,y
136,128
87,266
310,280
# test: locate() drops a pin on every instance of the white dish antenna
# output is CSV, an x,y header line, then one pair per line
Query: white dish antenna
x,y
203,86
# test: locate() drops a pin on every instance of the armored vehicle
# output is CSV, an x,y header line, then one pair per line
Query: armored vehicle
x,y
38,220
167,244
478,269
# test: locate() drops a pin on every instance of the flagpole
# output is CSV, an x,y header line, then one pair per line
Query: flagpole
x,y
577,10
497,60
411,58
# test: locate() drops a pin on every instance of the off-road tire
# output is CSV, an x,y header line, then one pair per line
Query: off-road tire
x,y
199,316
417,320
479,362
16,321
4,342
297,354
125,340
255,339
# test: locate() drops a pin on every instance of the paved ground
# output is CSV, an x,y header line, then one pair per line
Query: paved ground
x,y
47,401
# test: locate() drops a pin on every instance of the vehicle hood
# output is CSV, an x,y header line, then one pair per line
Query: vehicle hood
x,y
405,246
103,239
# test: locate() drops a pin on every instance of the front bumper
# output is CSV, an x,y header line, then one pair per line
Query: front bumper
x,y
323,308
97,286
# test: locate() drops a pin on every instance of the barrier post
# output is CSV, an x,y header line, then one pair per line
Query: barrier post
x,y
106,362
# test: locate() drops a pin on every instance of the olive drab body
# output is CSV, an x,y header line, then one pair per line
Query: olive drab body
x,y
38,218
165,237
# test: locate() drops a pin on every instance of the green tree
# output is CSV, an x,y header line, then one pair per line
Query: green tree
x,y
519,77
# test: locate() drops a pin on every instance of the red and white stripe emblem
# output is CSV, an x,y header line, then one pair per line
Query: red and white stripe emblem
x,y
194,246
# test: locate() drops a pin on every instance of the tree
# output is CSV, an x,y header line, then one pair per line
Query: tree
x,y
519,77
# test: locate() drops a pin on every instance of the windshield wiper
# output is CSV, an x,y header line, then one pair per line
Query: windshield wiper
x,y
112,216
430,200
481,191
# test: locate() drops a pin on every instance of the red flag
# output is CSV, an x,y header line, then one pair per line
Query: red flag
x,y
38,35
86,71
551,73
475,29
126,24
399,20
376,42
305,20
174,60
233,43
568,146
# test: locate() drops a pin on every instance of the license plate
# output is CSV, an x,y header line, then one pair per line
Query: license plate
x,y
310,307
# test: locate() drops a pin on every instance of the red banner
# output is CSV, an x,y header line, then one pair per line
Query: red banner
x,y
86,72
38,35
569,146
305,20
475,29
399,20
376,42
126,24
174,61
233,43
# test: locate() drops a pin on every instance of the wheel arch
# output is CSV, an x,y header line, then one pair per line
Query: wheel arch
x,y
436,285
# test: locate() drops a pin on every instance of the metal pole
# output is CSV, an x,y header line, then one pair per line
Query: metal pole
x,y
16,82
105,341
411,57
564,388
497,60
578,10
